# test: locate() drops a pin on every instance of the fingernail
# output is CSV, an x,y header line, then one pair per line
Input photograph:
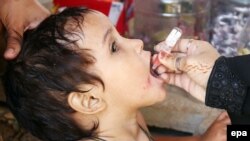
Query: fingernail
x,y
161,55
10,51
160,70
156,47
155,64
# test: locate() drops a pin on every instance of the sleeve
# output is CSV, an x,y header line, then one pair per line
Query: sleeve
x,y
228,85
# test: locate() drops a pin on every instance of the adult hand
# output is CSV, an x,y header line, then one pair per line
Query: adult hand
x,y
218,129
17,16
188,66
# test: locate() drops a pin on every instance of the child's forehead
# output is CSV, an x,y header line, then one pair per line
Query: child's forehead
x,y
96,18
95,25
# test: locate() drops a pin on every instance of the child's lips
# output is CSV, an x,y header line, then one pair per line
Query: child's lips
x,y
153,73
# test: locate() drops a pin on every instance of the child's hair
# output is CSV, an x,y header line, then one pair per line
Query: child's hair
x,y
50,66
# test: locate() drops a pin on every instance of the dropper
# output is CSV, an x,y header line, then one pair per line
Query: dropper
x,y
168,44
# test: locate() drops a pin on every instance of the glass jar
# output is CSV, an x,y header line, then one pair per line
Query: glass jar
x,y
229,20
154,19
243,44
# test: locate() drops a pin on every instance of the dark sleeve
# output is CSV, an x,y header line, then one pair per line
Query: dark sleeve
x,y
228,85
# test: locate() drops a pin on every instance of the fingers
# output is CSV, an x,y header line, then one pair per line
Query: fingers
x,y
158,47
32,25
161,69
36,19
18,16
175,63
165,77
13,44
184,45
224,118
221,124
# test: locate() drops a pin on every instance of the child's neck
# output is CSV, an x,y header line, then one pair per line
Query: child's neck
x,y
122,127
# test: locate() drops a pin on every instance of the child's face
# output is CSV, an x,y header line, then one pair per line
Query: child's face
x,y
121,63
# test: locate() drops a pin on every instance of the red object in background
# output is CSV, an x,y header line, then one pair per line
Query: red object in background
x,y
106,7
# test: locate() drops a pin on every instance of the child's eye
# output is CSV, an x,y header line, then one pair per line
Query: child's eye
x,y
114,47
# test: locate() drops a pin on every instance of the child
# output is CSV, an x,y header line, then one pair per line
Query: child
x,y
76,78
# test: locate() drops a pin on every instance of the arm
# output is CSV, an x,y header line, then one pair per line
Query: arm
x,y
228,85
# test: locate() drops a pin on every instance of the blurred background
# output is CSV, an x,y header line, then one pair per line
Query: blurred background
x,y
223,23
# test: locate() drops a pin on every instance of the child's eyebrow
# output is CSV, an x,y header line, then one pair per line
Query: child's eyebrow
x,y
106,34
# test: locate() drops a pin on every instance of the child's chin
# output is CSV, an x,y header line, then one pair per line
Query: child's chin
x,y
162,96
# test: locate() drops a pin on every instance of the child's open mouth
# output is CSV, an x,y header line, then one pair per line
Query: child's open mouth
x,y
153,71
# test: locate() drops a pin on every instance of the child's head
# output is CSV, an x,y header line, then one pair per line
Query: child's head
x,y
75,70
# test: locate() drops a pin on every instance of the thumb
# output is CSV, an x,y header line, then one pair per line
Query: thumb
x,y
13,44
222,115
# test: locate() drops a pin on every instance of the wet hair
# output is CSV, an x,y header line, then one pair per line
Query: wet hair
x,y
49,66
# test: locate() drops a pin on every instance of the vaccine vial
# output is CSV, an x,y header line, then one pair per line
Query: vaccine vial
x,y
171,40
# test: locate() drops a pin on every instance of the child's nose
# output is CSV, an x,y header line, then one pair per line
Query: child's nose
x,y
138,45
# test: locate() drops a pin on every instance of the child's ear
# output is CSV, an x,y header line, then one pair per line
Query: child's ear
x,y
89,102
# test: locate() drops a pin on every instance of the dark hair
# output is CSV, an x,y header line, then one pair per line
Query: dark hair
x,y
49,66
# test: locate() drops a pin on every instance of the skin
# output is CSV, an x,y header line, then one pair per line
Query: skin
x,y
125,72
117,104
128,66
127,90
195,66
27,14
129,86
